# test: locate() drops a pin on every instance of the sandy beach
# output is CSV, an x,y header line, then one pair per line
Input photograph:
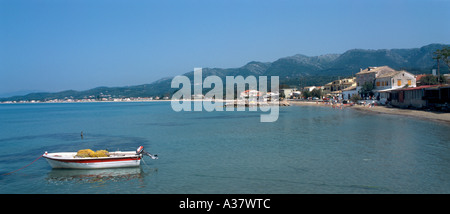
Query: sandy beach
x,y
437,116
307,103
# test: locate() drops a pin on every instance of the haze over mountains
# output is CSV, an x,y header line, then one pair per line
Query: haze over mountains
x,y
298,70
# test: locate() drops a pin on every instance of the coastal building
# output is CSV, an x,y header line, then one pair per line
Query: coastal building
x,y
370,74
391,81
296,94
290,92
384,80
438,95
327,89
410,97
385,77
447,77
341,84
394,80
309,88
347,93
336,88
269,95
419,79
250,93
429,96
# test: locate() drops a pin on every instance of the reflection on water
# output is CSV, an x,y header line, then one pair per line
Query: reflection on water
x,y
61,176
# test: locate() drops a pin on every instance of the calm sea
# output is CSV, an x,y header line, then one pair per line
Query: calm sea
x,y
308,150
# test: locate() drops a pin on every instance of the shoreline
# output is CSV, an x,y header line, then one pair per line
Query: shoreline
x,y
429,115
435,116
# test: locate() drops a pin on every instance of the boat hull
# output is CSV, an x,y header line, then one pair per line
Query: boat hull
x,y
70,162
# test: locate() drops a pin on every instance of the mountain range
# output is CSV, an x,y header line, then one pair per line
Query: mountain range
x,y
296,71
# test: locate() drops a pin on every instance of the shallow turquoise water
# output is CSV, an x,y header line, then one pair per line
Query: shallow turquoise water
x,y
307,150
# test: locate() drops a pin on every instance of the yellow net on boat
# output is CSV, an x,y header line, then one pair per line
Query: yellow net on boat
x,y
84,153
100,153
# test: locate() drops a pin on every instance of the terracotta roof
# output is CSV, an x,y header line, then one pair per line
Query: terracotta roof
x,y
439,86
420,76
381,69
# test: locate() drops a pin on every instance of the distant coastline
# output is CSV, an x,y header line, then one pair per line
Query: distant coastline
x,y
430,115
83,101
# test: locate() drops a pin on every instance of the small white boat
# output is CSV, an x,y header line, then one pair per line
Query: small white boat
x,y
117,159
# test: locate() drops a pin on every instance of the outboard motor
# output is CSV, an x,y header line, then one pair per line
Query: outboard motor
x,y
140,151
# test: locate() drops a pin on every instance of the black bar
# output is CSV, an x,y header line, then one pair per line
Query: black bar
x,y
266,203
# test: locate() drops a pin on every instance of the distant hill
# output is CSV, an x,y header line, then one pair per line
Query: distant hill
x,y
415,60
298,70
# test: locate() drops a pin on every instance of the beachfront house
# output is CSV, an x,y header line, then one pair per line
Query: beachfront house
x,y
394,80
410,97
384,80
369,74
327,89
347,93
387,82
250,93
343,83
290,92
337,87
438,96
309,88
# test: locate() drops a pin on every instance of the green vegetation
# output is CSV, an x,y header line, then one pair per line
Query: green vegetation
x,y
442,54
433,80
366,89
314,93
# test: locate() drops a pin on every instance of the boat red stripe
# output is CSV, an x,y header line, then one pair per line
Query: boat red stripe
x,y
95,160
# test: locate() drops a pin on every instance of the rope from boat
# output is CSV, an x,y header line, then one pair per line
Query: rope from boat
x,y
23,167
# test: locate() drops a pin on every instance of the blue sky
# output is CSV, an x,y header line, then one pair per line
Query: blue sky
x,y
55,45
